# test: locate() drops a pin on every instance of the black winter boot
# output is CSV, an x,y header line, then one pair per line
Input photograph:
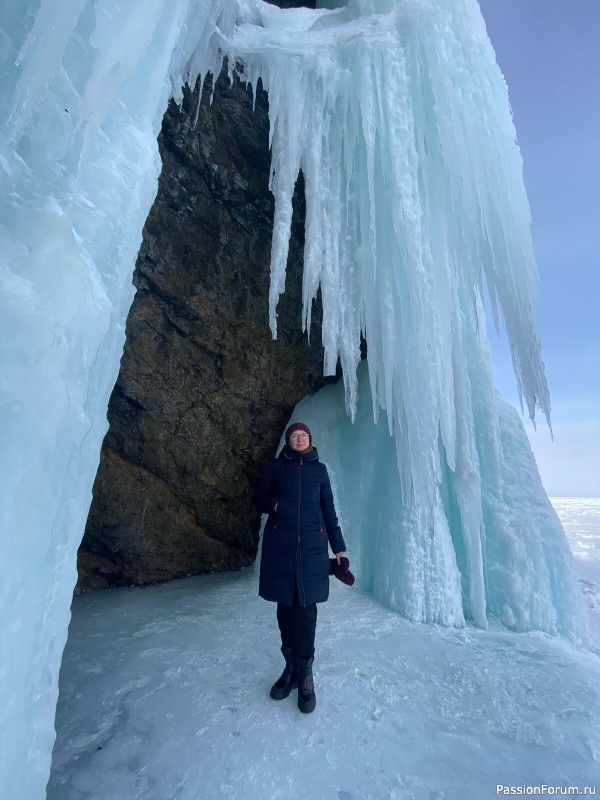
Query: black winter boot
x,y
307,699
288,679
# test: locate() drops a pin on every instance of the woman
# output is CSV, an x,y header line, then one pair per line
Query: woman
x,y
294,570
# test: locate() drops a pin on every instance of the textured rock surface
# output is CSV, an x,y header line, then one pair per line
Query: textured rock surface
x,y
203,392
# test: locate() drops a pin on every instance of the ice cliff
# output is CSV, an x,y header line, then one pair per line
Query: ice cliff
x,y
398,117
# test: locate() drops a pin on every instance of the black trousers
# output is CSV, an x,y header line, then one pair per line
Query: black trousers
x,y
298,626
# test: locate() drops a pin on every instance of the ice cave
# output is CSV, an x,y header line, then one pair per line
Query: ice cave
x,y
394,118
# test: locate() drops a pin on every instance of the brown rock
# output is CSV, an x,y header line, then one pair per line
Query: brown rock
x,y
204,392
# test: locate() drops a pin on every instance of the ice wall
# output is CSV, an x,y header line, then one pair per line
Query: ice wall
x,y
398,117
517,571
83,88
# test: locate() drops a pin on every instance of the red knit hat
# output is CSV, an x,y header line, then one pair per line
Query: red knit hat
x,y
297,426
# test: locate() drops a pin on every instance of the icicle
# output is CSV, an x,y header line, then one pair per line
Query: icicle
x,y
399,118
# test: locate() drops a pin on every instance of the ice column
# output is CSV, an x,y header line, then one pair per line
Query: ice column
x,y
84,85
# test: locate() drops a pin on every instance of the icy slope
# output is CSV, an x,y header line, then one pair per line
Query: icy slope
x,y
165,694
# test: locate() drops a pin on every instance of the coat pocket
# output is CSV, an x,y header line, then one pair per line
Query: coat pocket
x,y
314,541
315,564
276,560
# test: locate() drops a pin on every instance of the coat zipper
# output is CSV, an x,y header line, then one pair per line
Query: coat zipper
x,y
299,543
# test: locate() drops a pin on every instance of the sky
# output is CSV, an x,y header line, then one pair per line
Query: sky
x,y
549,55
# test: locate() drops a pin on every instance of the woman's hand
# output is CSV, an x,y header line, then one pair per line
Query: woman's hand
x,y
339,555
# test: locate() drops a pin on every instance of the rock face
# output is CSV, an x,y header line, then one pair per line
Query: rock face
x,y
203,392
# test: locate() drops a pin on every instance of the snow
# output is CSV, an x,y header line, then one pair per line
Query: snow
x,y
165,694
580,519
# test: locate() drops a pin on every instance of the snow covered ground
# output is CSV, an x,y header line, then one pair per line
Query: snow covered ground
x,y
580,517
164,695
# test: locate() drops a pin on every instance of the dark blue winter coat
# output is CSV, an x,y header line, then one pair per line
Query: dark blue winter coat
x,y
294,545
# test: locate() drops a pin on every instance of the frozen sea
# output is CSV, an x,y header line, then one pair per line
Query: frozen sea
x,y
164,695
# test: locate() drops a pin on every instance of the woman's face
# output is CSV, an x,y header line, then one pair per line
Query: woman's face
x,y
299,440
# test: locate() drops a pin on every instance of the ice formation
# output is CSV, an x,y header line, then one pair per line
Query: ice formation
x,y
512,565
399,119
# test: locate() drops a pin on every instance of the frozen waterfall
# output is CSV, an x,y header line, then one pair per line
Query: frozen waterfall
x,y
398,116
